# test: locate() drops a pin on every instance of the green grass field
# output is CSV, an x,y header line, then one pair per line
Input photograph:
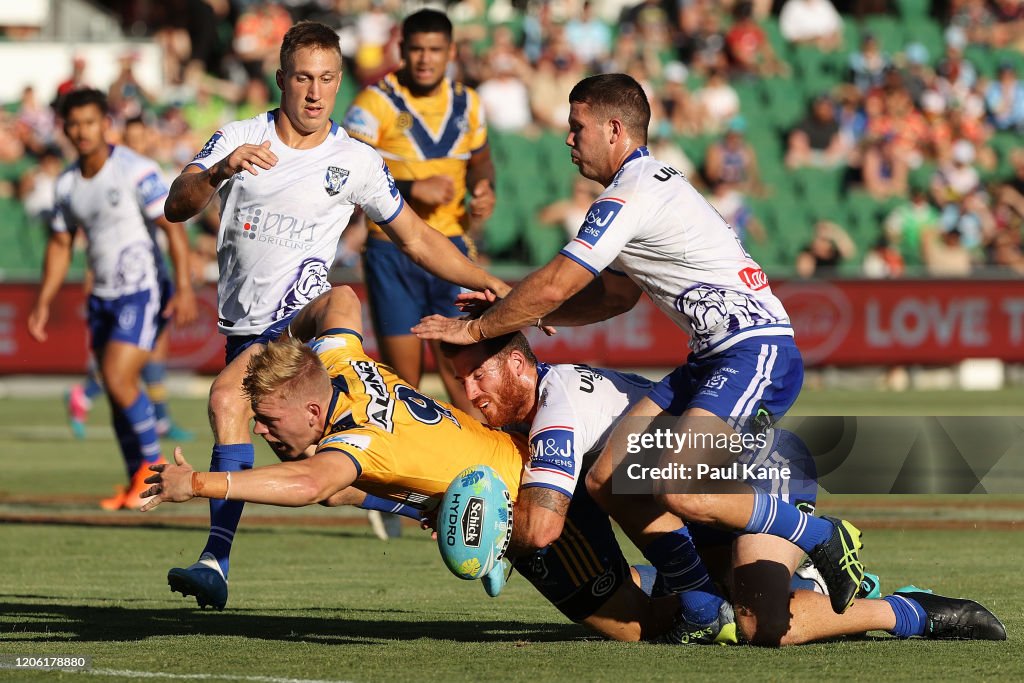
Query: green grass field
x,y
315,597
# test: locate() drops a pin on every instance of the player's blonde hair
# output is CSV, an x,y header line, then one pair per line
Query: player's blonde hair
x,y
287,368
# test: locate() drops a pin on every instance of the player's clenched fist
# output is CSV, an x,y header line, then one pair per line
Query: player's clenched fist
x,y
245,158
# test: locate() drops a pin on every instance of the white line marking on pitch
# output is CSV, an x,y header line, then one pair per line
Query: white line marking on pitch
x,y
198,677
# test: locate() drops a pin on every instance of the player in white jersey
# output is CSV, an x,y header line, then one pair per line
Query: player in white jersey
x,y
116,196
650,232
288,182
563,544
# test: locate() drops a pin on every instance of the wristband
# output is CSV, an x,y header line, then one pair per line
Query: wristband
x,y
211,484
479,328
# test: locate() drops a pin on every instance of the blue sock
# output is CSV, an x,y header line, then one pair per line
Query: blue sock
x,y
772,516
648,575
154,374
128,442
140,414
224,514
93,387
910,617
384,505
680,567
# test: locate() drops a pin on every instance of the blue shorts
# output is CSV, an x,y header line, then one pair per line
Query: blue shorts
x,y
135,319
580,571
400,292
235,345
758,377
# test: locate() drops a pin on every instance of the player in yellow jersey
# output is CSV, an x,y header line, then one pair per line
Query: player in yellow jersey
x,y
432,134
368,429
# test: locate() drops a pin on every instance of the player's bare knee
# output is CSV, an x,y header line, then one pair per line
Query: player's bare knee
x,y
762,627
226,402
598,488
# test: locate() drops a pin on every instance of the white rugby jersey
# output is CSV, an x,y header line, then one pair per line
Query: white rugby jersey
x,y
117,208
577,408
651,225
279,230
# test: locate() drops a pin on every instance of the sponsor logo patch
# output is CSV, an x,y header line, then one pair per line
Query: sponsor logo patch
x,y
600,216
472,522
754,278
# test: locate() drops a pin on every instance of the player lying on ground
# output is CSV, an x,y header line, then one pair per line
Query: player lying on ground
x,y
372,431
562,541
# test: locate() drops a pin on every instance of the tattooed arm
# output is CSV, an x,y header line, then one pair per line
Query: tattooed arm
x,y
537,521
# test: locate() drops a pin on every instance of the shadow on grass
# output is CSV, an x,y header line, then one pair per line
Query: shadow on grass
x,y
63,623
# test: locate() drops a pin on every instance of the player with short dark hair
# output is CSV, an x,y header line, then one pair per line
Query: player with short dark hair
x,y
651,232
432,133
116,197
288,181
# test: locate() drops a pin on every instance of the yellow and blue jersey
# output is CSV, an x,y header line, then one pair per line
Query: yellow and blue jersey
x,y
420,137
406,447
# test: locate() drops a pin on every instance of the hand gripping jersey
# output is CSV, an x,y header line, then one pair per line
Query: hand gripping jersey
x,y
420,137
117,208
577,408
407,447
651,225
279,230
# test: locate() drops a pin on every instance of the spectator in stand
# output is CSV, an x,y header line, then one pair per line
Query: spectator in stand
x,y
816,140
884,169
506,100
732,206
681,114
956,75
76,81
569,214
905,224
37,185
504,57
590,37
35,123
829,247
974,20
968,122
258,34
867,65
718,102
917,75
853,122
256,100
943,254
731,161
557,72
704,51
811,22
883,261
1008,31
939,135
956,176
972,219
126,97
750,53
1005,100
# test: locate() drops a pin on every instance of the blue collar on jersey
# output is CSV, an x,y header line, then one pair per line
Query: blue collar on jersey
x,y
542,370
637,154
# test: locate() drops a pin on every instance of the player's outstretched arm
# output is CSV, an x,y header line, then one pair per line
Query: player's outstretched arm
x,y
55,269
435,253
192,190
287,484
540,293
183,304
604,298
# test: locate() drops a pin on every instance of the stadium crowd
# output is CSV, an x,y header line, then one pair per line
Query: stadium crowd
x,y
917,127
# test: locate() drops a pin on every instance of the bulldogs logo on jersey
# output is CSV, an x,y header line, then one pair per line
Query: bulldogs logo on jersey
x,y
310,283
335,179
711,309
134,263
